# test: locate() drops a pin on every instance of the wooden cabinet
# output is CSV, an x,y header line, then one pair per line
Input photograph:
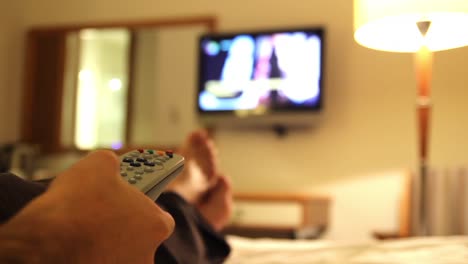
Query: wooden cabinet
x,y
279,215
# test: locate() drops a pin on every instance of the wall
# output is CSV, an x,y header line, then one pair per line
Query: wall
x,y
9,70
369,125
145,75
450,119
352,140
165,74
167,105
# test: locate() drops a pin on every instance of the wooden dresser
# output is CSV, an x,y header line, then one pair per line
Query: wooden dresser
x,y
279,215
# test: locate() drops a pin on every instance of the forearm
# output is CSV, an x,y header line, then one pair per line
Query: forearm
x,y
13,252
37,235
20,244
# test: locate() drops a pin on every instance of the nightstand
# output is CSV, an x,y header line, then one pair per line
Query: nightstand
x,y
279,215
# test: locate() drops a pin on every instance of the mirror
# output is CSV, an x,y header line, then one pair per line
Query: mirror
x,y
112,86
96,86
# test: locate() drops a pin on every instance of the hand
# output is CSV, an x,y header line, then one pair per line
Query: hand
x,y
90,215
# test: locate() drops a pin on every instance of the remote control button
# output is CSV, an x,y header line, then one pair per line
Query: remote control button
x,y
170,153
123,173
147,156
130,168
127,160
150,151
141,159
157,162
141,150
151,164
132,181
160,153
140,171
138,176
149,169
135,164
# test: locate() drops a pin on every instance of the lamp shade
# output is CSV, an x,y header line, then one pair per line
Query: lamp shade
x,y
391,25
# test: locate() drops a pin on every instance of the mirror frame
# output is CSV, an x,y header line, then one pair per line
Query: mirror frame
x,y
43,84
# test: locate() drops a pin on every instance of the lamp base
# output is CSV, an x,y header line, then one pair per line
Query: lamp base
x,y
423,227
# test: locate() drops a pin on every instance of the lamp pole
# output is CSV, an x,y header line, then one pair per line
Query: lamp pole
x,y
423,65
389,25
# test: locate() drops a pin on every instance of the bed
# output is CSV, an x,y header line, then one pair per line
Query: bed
x,y
365,249
430,250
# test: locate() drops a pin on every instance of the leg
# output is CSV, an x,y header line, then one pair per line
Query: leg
x,y
199,201
201,184
200,172
216,205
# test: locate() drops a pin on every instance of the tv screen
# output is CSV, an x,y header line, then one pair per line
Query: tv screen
x,y
261,73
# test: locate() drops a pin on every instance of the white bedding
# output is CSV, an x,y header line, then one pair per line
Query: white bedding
x,y
428,250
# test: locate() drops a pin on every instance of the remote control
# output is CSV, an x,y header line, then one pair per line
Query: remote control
x,y
150,170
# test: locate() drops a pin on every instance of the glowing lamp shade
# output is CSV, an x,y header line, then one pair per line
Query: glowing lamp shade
x,y
391,25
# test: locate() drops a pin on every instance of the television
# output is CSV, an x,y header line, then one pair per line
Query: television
x,y
270,77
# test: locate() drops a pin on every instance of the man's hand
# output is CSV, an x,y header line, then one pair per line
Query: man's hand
x,y
90,215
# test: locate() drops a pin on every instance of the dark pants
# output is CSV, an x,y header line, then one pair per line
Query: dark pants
x,y
193,241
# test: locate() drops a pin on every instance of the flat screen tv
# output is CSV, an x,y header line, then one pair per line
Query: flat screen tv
x,y
267,77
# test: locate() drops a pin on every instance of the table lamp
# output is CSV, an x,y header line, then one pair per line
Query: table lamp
x,y
420,27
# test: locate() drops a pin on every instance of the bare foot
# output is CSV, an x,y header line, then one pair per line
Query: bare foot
x,y
216,204
200,148
200,171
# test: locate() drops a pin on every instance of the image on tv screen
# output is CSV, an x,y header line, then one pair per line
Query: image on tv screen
x,y
263,72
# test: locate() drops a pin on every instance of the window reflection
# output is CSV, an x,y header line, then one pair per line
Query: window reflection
x,y
101,88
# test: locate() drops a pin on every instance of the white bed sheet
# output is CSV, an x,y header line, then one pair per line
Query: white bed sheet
x,y
430,250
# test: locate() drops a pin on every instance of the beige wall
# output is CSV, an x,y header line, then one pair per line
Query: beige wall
x,y
368,93
9,70
369,122
164,92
